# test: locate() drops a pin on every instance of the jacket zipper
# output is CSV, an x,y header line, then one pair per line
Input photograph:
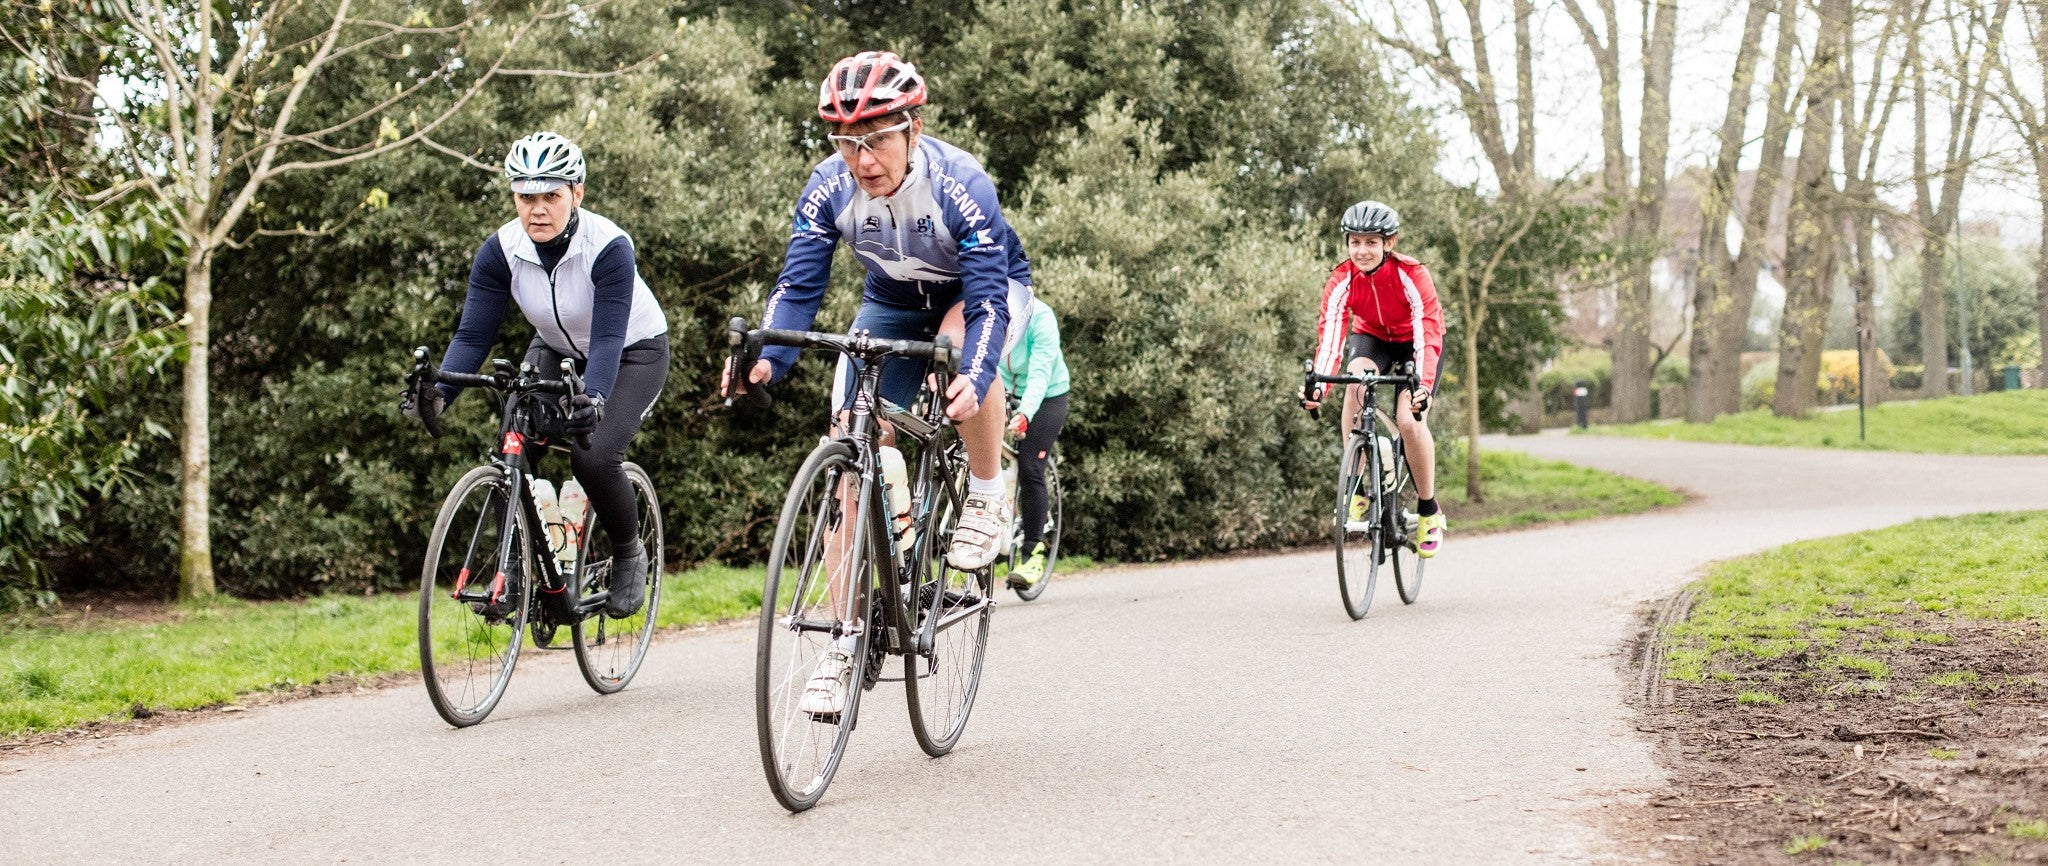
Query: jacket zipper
x,y
555,301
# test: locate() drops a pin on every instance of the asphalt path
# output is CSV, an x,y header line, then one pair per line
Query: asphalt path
x,y
1215,711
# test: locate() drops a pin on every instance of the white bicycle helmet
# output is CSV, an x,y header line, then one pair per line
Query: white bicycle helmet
x,y
543,161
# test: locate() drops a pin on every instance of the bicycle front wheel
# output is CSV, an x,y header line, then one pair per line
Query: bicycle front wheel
x,y
1358,542
951,609
473,603
1405,535
609,651
818,574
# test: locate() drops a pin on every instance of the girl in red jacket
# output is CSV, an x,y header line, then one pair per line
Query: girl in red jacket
x,y
1380,311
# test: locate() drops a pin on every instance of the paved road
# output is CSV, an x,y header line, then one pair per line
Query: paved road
x,y
1219,712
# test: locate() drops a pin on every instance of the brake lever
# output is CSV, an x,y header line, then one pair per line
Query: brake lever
x,y
419,380
575,384
745,352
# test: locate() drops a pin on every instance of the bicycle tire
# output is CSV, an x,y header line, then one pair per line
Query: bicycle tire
x,y
1359,550
607,662
943,674
1407,561
466,655
800,752
1051,535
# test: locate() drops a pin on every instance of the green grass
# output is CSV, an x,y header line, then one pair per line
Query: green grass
x,y
2008,422
1940,754
55,677
1524,491
1805,844
60,676
2027,829
1813,594
1758,699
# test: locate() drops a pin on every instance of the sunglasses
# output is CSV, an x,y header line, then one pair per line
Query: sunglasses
x,y
850,144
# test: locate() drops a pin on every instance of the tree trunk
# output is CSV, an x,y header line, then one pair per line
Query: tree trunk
x,y
1473,491
1810,231
195,571
1732,331
1710,285
1632,339
1934,317
2041,264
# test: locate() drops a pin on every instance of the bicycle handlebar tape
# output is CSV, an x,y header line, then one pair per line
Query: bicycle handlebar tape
x,y
947,357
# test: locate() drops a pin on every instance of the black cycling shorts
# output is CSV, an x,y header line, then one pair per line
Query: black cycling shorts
x,y
1389,358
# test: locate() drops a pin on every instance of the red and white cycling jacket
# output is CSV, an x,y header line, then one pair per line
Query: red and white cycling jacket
x,y
1395,303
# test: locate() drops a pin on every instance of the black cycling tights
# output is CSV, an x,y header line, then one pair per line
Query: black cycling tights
x,y
643,367
1032,453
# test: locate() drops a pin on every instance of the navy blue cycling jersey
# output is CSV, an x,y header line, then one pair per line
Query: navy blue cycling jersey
x,y
939,239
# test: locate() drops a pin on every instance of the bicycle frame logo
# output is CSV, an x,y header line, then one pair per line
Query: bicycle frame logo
x,y
515,444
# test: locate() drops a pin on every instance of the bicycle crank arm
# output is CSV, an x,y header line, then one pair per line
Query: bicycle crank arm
x,y
835,629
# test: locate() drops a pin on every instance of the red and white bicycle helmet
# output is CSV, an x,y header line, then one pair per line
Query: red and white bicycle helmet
x,y
869,84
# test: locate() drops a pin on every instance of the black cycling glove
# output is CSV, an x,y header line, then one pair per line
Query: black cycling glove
x,y
426,411
1422,399
582,413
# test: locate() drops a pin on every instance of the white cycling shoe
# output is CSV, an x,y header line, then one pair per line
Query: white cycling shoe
x,y
825,694
982,535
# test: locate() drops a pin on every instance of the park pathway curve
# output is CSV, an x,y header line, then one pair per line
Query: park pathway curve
x,y
1217,711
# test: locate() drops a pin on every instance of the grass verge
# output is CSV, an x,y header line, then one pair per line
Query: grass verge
x,y
1813,596
2008,422
1525,491
1865,695
56,675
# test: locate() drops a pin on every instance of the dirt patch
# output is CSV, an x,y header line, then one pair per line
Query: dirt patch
x,y
1924,741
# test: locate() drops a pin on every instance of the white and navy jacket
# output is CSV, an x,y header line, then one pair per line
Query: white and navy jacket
x,y
589,305
940,238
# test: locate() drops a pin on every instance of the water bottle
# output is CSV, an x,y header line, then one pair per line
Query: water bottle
x,y
575,504
896,478
550,507
1386,447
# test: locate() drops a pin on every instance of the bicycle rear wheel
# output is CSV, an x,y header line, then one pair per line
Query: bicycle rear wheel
x,y
818,571
609,651
473,605
1402,529
1358,543
950,611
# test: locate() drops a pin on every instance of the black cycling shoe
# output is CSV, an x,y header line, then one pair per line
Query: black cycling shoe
x,y
628,582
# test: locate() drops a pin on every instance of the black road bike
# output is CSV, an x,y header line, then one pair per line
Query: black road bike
x,y
1385,528
491,574
1050,534
839,569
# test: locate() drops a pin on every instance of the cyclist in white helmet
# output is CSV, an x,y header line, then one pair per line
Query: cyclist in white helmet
x,y
571,272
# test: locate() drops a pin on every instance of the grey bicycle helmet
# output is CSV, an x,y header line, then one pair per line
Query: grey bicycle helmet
x,y
543,161
1371,218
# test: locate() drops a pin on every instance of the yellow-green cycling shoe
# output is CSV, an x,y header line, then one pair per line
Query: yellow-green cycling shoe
x,y
1430,533
1030,571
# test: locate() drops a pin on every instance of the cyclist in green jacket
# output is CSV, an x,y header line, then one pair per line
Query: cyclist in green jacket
x,y
1035,369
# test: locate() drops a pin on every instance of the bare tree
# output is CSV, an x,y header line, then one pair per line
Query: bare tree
x,y
1863,134
1968,79
1727,284
214,114
1470,75
1642,216
2025,102
1811,242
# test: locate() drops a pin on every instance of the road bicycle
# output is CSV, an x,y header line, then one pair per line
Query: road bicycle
x,y
1376,470
1050,535
838,568
491,574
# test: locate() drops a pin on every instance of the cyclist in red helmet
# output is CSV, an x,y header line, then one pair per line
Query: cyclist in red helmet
x,y
921,216
1379,311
